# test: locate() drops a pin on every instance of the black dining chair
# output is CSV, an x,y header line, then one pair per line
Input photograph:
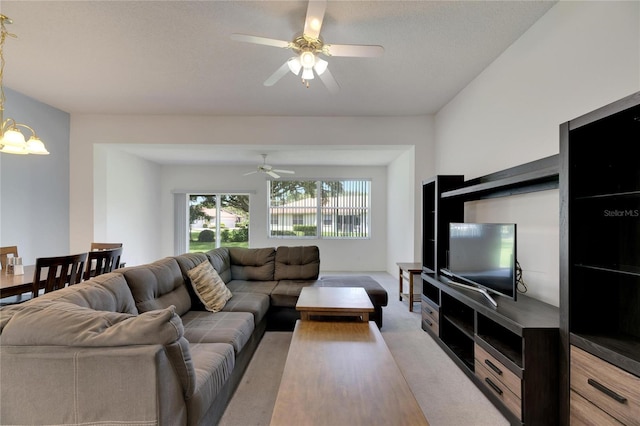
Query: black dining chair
x,y
60,271
102,261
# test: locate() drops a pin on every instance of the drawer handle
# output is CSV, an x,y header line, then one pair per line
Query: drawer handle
x,y
607,391
429,323
493,386
429,311
493,366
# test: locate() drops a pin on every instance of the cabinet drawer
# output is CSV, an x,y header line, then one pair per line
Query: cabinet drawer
x,y
501,373
430,318
584,413
611,389
508,398
430,311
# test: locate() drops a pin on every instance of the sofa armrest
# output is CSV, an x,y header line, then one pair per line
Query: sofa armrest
x,y
82,385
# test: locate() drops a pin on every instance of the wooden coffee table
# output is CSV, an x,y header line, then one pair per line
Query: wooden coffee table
x,y
334,301
342,373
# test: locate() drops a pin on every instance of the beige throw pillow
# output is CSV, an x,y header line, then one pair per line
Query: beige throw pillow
x,y
209,287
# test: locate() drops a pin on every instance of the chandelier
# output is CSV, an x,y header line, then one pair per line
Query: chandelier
x,y
12,140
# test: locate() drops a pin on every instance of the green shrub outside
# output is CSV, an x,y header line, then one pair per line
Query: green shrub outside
x,y
206,236
283,234
306,230
237,235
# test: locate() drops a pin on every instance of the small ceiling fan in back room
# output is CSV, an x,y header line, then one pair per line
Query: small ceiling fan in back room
x,y
267,169
308,46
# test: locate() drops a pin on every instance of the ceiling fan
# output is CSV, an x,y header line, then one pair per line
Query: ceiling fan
x,y
266,168
308,46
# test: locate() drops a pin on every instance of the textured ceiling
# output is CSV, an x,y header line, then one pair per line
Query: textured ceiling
x,y
176,57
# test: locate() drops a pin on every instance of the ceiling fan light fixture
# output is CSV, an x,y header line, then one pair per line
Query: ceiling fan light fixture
x,y
320,66
294,65
307,59
307,74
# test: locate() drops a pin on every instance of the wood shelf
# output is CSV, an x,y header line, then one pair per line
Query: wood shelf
x,y
522,336
539,175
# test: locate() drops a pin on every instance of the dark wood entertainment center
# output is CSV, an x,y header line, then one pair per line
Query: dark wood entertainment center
x,y
580,363
600,265
510,352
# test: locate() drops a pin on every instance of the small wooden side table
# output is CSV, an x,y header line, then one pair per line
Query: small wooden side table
x,y
408,270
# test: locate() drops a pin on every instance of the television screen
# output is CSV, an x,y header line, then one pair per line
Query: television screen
x,y
484,255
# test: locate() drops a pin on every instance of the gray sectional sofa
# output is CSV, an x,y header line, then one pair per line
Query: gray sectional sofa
x,y
136,346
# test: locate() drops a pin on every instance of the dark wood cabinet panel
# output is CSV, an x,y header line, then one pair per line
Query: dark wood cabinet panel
x,y
600,243
520,339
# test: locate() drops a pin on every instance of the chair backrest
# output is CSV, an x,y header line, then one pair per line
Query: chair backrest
x,y
105,246
62,270
102,261
4,251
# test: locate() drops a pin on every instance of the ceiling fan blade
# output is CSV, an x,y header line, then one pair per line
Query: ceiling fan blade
x,y
329,81
280,72
272,174
283,171
250,173
354,50
315,16
261,40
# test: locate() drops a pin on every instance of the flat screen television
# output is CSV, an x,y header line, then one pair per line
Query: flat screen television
x,y
483,256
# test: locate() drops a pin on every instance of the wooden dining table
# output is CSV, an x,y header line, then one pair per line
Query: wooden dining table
x,y
13,285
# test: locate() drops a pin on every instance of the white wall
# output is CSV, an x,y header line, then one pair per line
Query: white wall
x,y
401,211
95,130
34,189
576,58
127,204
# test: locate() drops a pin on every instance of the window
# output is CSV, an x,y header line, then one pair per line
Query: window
x,y
298,219
218,220
319,209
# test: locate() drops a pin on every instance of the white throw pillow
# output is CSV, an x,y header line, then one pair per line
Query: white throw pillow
x,y
209,287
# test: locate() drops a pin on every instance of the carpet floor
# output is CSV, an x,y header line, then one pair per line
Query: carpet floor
x,y
445,394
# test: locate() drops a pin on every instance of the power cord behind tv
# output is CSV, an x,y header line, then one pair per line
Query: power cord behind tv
x,y
520,284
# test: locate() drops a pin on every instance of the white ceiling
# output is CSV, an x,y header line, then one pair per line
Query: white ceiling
x,y
176,57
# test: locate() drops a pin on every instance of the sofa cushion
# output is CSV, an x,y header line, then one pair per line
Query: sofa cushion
x,y
158,285
106,292
286,293
254,303
209,287
213,364
188,261
221,261
244,286
234,328
45,322
297,263
252,264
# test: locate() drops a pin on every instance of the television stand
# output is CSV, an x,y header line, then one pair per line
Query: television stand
x,y
482,291
510,351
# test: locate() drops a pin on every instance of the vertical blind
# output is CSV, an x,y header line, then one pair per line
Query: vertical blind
x,y
319,208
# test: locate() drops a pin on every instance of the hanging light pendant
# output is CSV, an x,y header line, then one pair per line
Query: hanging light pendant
x,y
12,140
